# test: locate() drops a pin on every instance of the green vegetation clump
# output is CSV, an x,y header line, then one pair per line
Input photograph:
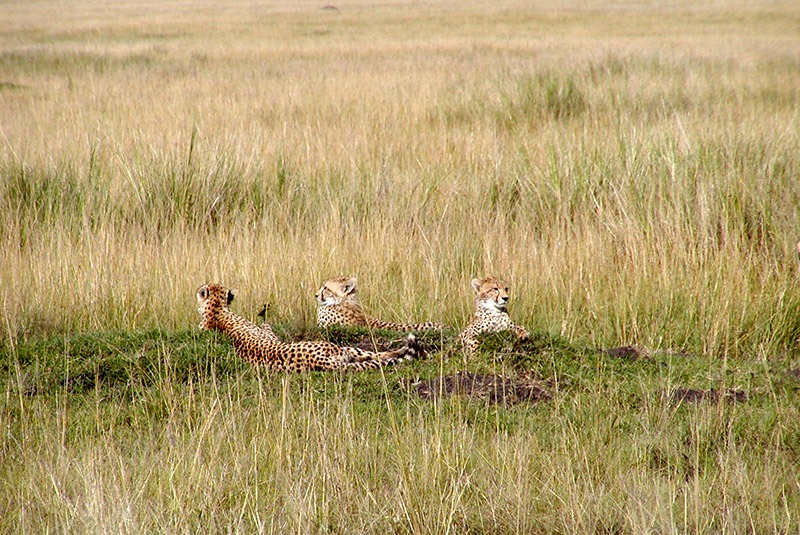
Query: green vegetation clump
x,y
542,97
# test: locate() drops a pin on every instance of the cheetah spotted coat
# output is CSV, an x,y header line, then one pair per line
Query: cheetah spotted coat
x,y
338,304
491,299
260,346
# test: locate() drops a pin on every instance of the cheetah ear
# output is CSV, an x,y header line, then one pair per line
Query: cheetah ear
x,y
350,285
476,283
231,295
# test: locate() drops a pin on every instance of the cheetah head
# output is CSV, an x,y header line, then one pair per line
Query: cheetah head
x,y
491,293
337,290
211,300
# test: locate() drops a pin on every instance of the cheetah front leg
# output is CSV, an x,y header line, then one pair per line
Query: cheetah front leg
x,y
469,341
521,332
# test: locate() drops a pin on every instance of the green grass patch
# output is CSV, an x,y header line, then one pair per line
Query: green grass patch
x,y
147,422
161,418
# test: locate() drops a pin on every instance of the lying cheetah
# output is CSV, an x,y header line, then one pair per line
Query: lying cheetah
x,y
259,345
491,298
338,304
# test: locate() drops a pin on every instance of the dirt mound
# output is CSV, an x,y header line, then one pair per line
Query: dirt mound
x,y
693,395
495,389
626,353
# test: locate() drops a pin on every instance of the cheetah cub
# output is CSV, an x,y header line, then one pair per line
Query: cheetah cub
x,y
491,298
338,304
259,345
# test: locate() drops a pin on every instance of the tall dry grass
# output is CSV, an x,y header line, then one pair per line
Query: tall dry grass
x,y
632,172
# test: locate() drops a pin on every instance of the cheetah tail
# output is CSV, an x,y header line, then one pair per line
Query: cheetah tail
x,y
373,323
411,350
365,360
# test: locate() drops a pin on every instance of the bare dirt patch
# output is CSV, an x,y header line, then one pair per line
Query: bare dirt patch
x,y
713,395
626,353
495,389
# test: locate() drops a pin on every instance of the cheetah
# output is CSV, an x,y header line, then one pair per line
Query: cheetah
x,y
338,304
491,298
260,346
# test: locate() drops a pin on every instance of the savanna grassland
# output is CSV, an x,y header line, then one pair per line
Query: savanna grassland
x,y
631,169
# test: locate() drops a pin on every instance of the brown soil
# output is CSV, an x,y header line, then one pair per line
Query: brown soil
x,y
693,395
492,388
624,352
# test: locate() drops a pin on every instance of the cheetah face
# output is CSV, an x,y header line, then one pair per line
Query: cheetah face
x,y
491,293
336,290
211,298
